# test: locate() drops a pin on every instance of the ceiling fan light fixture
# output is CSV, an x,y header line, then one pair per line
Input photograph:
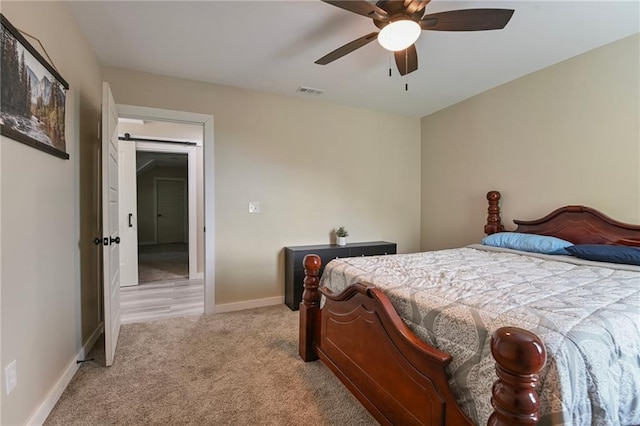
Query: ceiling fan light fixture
x,y
399,35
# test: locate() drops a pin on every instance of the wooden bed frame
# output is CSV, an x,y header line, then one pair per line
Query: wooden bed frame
x,y
403,381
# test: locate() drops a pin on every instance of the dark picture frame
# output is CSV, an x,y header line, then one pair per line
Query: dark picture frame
x,y
32,95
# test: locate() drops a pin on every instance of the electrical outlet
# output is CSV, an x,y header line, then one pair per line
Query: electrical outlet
x,y
254,206
10,377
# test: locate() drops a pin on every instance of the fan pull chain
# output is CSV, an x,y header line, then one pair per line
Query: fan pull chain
x,y
406,69
390,64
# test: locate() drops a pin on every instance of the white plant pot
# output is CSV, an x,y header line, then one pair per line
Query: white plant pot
x,y
342,241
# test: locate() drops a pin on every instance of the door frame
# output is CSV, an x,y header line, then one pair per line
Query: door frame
x,y
206,121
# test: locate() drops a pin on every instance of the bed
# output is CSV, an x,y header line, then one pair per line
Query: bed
x,y
368,336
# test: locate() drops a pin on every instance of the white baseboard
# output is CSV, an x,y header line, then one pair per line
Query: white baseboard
x,y
198,276
249,304
54,394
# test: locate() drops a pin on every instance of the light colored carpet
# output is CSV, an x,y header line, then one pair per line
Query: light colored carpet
x,y
238,368
163,262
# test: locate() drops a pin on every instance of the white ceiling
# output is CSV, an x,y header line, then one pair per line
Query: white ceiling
x,y
271,46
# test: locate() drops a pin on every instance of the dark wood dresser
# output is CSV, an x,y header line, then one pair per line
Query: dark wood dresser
x,y
294,271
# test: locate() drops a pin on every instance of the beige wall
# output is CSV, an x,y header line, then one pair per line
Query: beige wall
x,y
312,165
48,266
145,188
568,134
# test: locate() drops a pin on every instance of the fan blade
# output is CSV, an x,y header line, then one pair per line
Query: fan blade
x,y
467,20
413,6
407,60
361,7
347,48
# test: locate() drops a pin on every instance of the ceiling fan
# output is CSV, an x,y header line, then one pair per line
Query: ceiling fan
x,y
402,21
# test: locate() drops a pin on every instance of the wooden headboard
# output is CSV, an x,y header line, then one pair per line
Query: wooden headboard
x,y
577,224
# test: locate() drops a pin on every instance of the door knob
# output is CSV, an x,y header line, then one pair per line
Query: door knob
x,y
114,240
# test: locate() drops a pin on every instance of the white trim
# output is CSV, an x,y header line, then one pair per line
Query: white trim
x,y
198,275
43,411
192,194
130,120
208,153
209,218
164,147
250,304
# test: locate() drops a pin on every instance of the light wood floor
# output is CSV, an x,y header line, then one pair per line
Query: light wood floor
x,y
162,299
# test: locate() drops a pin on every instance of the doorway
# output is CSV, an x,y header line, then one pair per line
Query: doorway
x,y
163,218
171,204
175,224
158,207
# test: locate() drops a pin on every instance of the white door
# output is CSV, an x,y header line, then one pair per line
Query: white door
x,y
170,195
128,213
110,252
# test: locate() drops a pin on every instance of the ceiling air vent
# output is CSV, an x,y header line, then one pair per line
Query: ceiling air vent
x,y
309,91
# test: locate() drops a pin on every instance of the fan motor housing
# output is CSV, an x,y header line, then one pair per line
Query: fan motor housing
x,y
396,12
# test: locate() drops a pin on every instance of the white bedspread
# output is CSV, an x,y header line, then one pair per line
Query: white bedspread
x,y
587,316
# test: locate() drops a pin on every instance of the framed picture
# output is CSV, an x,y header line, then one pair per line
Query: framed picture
x,y
32,95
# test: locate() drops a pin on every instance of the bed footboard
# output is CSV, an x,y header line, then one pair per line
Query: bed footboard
x,y
396,376
519,356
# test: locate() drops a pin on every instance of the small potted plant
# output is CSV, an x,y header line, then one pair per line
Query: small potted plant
x,y
342,235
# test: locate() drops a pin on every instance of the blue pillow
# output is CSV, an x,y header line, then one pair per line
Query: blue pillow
x,y
527,242
607,253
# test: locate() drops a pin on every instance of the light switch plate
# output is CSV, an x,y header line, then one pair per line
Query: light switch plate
x,y
254,206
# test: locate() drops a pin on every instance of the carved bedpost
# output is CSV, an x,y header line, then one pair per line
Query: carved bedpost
x,y
310,308
519,356
494,222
